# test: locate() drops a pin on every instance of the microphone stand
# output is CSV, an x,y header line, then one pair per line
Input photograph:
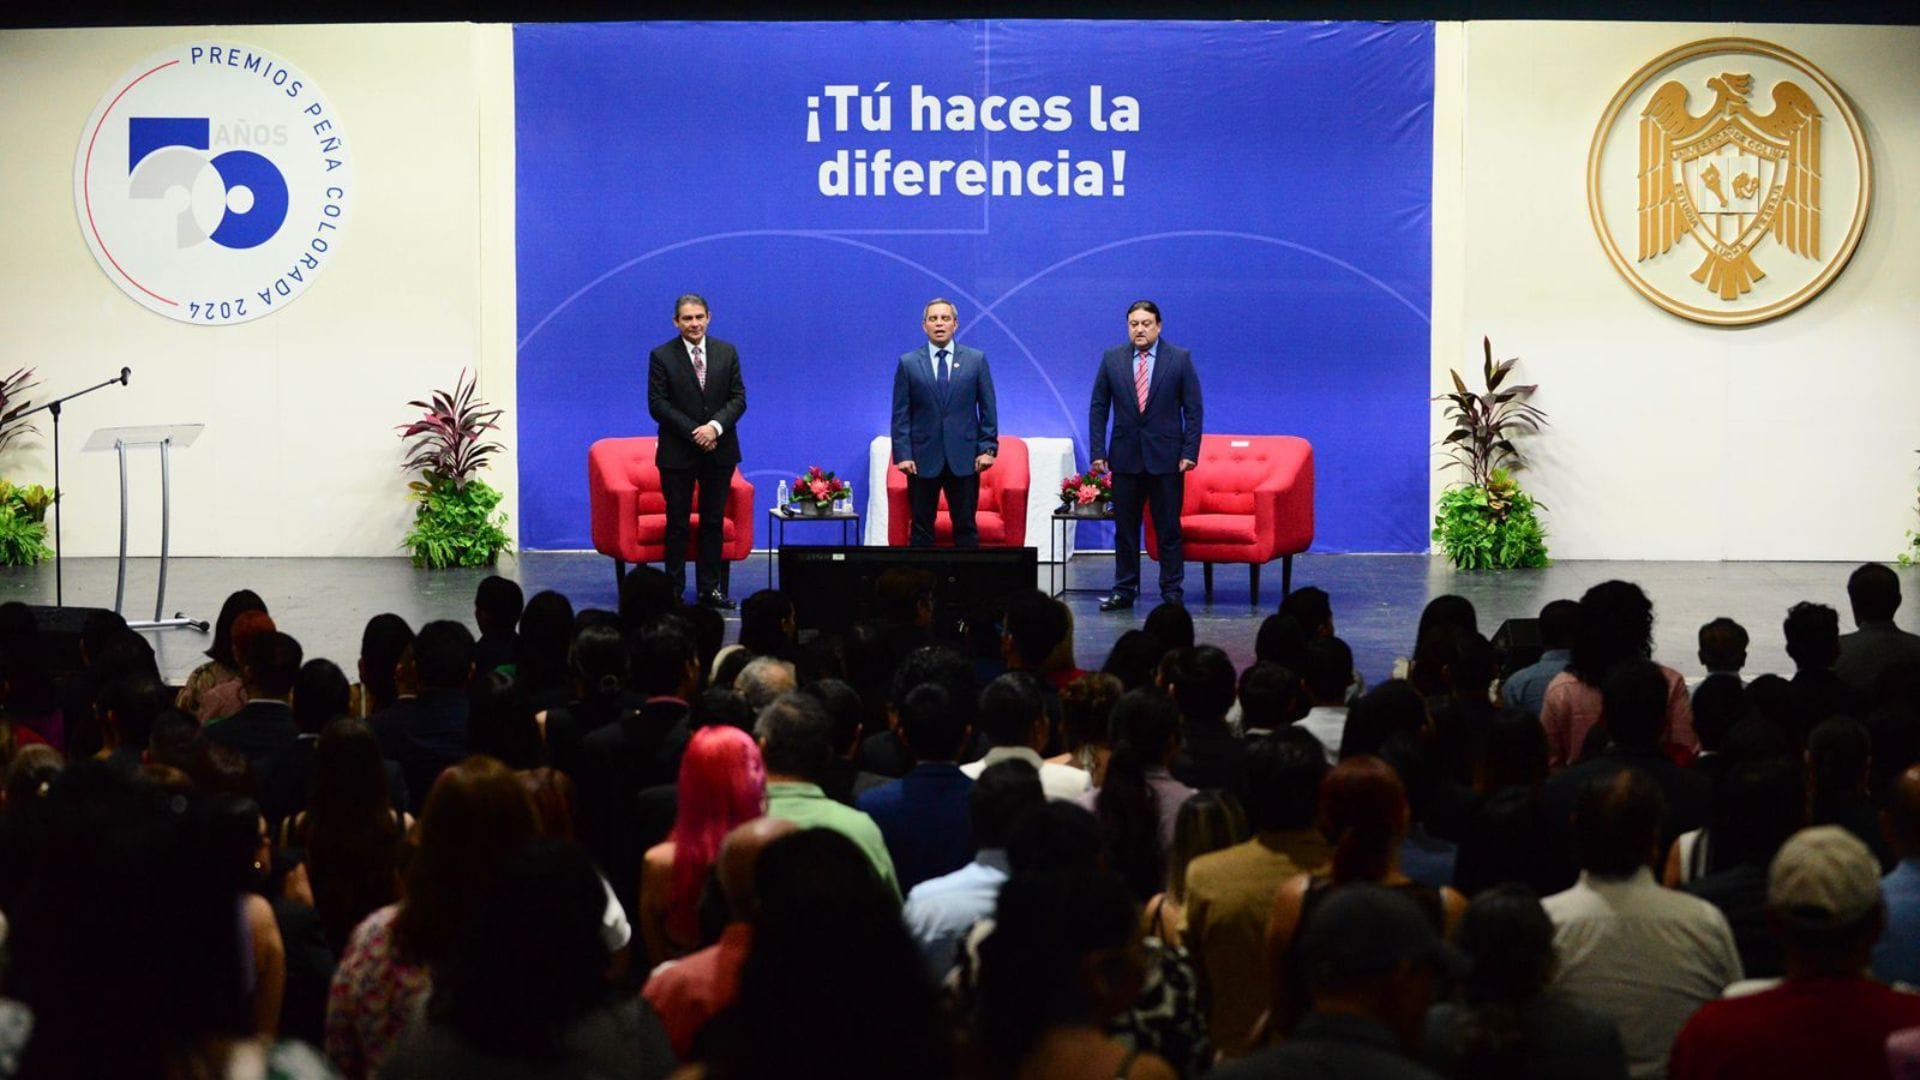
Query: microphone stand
x,y
60,496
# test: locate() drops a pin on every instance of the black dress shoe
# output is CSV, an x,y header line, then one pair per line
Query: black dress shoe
x,y
1116,603
716,599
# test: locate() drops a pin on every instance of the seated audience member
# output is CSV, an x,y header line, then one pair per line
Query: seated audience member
x,y
1828,1018
795,742
1061,667
923,815
383,643
1526,689
1230,892
1503,836
497,606
1424,669
1209,821
1201,682
77,693
1035,625
1270,697
428,733
1362,811
1723,648
1372,964
178,742
1134,659
602,678
1012,715
940,911
175,991
1086,708
1635,698
765,678
883,752
227,698
1507,1022
556,802
1281,640
1329,670
1873,591
722,785
501,722
1390,709
1616,625
767,626
1719,705
264,725
1839,755
1761,804
692,990
477,816
1461,716
1816,693
646,593
1170,624
1311,608
1894,725
844,780
827,920
540,650
1897,957
1139,798
528,994
350,830
1424,857
223,664
128,707
1064,960
1644,955
640,749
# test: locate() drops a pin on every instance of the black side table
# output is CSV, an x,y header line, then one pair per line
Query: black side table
x,y
779,518
1062,521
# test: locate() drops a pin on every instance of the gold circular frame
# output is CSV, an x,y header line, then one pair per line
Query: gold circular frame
x,y
1625,267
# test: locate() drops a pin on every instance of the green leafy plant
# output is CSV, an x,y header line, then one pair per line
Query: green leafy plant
x,y
1486,522
456,523
14,402
1912,555
23,524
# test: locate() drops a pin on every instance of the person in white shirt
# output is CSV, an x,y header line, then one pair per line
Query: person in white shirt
x,y
940,911
1329,671
1644,955
1013,717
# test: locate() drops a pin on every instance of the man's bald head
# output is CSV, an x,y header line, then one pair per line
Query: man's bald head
x,y
738,854
1901,818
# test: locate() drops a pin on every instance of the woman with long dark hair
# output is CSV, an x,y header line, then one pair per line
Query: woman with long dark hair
x,y
222,665
723,783
1616,624
350,831
382,642
1138,798
540,652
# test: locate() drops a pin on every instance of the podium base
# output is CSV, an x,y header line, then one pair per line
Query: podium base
x,y
178,622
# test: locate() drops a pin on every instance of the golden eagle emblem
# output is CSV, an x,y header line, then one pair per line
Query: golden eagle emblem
x,y
1729,177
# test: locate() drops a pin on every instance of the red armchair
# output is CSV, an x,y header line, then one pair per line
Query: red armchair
x,y
1249,500
1001,516
629,511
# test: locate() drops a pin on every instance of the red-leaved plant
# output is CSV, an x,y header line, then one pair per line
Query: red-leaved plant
x,y
448,437
13,403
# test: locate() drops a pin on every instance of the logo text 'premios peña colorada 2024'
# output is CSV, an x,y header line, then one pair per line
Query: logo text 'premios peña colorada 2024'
x,y
213,183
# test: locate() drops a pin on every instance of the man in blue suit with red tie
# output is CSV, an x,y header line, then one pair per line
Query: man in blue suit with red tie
x,y
946,427
1153,392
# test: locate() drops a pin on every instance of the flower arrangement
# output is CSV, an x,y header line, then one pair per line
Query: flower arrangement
x,y
817,490
1486,522
1090,490
455,524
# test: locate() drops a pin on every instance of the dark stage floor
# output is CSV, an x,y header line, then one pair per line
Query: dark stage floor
x,y
1377,598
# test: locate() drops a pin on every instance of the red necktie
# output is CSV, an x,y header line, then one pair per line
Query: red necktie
x,y
1140,381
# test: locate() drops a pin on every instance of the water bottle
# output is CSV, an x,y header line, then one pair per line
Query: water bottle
x,y
846,499
780,498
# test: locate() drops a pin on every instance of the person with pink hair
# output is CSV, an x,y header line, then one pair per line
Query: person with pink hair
x,y
723,783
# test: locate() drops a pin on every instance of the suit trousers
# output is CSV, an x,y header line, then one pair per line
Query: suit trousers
x,y
1161,493
923,506
678,485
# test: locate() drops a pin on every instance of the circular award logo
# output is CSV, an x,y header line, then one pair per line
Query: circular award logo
x,y
1729,181
213,182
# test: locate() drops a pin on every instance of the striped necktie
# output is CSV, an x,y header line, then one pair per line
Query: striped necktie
x,y
1140,380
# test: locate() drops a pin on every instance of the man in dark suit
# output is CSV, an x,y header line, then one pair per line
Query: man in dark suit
x,y
695,393
946,426
1153,392
264,725
428,733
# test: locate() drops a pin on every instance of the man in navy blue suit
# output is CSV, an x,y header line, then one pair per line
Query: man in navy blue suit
x,y
1153,392
946,427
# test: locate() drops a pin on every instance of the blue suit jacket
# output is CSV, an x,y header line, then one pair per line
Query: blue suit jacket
x,y
1169,429
944,438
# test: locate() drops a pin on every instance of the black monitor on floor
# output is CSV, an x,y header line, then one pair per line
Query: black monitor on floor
x,y
832,587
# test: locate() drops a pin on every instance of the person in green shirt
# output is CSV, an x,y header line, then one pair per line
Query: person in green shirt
x,y
796,742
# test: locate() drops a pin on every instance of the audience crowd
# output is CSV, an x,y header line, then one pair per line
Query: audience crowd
x,y
613,844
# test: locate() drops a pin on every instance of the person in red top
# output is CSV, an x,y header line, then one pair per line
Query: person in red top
x,y
1828,1018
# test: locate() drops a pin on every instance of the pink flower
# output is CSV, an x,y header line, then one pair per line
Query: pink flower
x,y
1088,493
818,487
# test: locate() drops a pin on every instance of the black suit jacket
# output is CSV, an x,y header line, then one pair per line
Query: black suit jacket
x,y
677,402
259,730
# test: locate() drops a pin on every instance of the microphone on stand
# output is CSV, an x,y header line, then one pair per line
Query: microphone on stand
x,y
126,375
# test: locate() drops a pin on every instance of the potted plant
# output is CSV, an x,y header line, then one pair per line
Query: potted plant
x,y
1486,522
23,510
814,492
455,523
1912,555
1088,494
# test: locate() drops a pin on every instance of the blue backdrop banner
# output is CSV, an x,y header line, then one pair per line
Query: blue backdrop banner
x,y
1267,184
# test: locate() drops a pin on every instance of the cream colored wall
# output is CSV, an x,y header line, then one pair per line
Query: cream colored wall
x,y
300,455
1793,439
